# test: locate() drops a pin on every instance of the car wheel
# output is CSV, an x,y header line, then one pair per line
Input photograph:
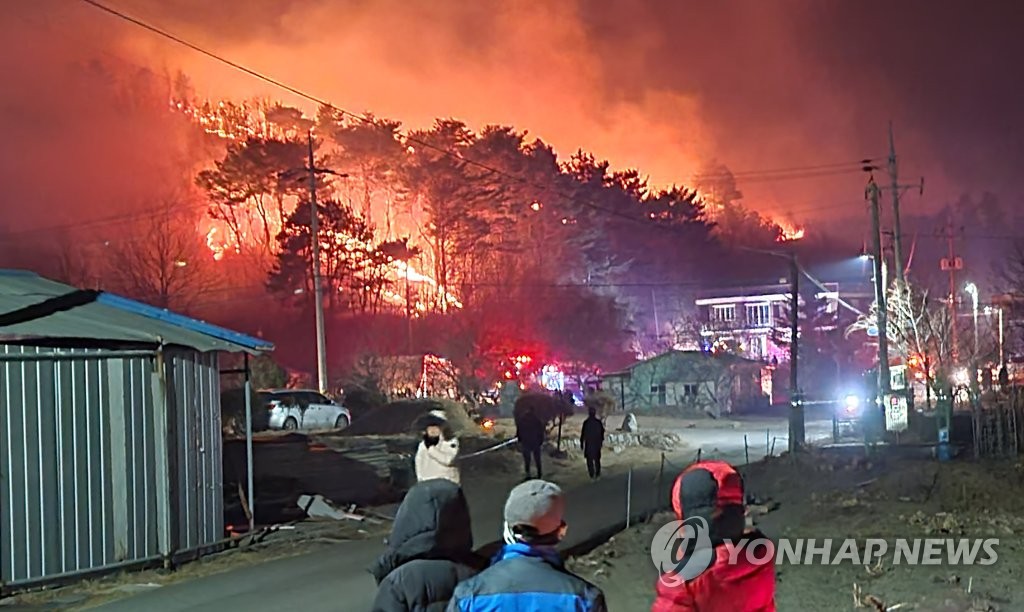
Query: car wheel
x,y
290,424
341,422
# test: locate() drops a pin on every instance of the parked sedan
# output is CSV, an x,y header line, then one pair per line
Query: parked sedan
x,y
292,409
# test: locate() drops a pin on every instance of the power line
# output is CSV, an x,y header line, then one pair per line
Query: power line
x,y
119,218
851,165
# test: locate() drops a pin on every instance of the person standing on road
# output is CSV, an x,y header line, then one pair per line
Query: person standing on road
x,y
530,431
528,574
591,441
710,496
437,452
429,552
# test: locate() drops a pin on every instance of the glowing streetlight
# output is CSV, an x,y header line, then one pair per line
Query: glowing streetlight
x,y
972,289
998,311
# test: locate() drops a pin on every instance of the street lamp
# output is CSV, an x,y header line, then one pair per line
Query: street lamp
x,y
972,289
999,312
885,268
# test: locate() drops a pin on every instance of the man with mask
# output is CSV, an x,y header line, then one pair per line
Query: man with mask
x,y
528,574
437,452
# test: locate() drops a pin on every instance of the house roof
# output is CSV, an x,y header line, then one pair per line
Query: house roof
x,y
36,308
721,357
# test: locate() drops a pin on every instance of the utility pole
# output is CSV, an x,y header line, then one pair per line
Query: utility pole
x,y
880,302
657,324
897,236
796,410
952,264
318,290
796,413
408,311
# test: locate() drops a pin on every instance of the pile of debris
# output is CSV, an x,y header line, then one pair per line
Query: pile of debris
x,y
404,417
982,523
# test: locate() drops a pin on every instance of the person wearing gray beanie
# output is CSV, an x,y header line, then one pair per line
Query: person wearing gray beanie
x,y
528,573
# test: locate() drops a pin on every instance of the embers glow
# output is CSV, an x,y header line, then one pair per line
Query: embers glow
x,y
789,231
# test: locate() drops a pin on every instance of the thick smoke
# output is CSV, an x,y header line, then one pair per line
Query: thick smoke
x,y
661,85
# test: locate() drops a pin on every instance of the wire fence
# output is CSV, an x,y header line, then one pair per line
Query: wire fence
x,y
648,491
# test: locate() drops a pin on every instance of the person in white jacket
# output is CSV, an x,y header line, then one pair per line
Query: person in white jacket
x,y
437,452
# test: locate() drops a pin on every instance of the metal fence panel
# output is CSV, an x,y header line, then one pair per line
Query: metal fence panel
x,y
81,474
200,484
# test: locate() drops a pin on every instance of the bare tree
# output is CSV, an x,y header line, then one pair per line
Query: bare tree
x,y
918,325
164,261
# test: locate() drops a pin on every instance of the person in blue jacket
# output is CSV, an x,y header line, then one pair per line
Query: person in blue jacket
x,y
528,574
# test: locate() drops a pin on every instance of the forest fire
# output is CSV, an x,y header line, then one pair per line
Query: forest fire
x,y
239,223
789,232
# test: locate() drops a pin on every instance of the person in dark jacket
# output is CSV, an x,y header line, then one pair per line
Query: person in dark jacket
x,y
530,431
591,440
527,574
430,550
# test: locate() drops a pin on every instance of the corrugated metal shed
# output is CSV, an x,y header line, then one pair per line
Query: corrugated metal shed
x,y
109,457
110,318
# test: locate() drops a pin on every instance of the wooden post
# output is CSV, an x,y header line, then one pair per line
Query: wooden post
x,y
629,495
658,484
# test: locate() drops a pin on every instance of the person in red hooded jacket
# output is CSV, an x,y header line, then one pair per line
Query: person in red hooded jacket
x,y
711,493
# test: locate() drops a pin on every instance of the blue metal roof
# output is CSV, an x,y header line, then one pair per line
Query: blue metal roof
x,y
111,318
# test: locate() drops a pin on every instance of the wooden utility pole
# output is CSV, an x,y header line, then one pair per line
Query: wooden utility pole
x,y
880,301
318,290
796,412
951,264
897,236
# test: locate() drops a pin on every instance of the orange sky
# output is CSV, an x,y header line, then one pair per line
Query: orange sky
x,y
658,85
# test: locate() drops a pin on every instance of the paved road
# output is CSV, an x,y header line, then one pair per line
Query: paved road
x,y
335,578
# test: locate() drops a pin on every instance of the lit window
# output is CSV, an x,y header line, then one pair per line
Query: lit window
x,y
759,315
723,314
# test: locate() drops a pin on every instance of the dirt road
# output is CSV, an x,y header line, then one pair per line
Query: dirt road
x,y
334,577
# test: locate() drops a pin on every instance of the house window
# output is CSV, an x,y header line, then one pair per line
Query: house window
x,y
723,314
759,315
659,394
690,390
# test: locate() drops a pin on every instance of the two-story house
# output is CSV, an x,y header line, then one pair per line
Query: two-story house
x,y
754,320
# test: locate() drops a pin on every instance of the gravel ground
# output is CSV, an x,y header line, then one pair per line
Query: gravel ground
x,y
823,497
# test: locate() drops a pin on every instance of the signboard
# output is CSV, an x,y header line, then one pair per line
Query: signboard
x,y
895,413
947,264
898,377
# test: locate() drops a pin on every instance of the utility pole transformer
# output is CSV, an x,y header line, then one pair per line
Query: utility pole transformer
x,y
318,290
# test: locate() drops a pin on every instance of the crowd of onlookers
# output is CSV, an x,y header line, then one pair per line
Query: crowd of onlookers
x,y
430,564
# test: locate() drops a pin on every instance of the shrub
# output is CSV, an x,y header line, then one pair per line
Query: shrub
x,y
601,401
547,407
360,401
232,411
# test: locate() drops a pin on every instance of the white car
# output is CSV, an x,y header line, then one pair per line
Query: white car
x,y
292,409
